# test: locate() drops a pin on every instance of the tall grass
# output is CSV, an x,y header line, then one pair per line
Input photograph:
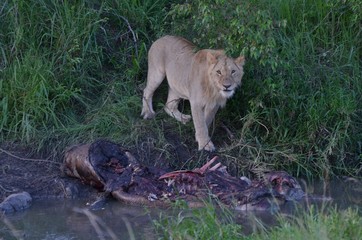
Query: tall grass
x,y
299,106
70,70
74,71
319,88
315,225
44,71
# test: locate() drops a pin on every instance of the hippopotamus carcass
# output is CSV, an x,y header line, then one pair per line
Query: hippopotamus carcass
x,y
111,168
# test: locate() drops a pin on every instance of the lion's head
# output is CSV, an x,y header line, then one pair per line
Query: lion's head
x,y
225,73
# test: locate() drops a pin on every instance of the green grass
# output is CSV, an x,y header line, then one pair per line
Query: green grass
x,y
74,72
207,223
201,223
300,102
71,72
314,225
44,72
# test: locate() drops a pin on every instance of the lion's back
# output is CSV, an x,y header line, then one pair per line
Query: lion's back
x,y
171,51
173,56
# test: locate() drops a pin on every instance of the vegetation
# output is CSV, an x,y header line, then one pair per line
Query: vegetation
x,y
303,81
207,223
73,71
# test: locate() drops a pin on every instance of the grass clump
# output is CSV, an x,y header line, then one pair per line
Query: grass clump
x,y
206,223
201,223
44,71
315,225
70,71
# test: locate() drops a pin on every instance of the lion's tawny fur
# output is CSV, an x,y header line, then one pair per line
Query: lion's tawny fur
x,y
207,78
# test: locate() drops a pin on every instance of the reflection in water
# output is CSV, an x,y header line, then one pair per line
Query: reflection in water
x,y
323,196
344,193
71,219
64,219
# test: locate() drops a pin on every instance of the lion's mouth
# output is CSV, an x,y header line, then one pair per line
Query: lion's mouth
x,y
227,93
228,90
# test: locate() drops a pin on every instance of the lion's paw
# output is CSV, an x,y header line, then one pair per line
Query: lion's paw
x,y
208,147
185,118
148,114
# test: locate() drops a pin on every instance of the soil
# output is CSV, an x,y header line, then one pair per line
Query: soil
x,y
22,170
43,178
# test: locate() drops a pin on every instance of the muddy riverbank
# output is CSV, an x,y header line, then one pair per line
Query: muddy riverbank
x,y
42,178
20,170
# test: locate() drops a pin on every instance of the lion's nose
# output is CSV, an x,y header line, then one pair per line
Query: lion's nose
x,y
227,86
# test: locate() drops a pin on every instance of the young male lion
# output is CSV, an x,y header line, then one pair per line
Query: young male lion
x,y
207,78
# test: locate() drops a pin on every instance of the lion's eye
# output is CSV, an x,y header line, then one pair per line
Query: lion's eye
x,y
218,72
233,71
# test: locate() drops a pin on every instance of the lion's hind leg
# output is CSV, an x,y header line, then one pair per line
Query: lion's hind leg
x,y
171,107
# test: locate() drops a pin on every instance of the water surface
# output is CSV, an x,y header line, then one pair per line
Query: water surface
x,y
72,219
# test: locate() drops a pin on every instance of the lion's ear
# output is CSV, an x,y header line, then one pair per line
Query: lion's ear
x,y
219,52
211,59
240,61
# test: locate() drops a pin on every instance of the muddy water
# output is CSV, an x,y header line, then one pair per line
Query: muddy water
x,y
72,219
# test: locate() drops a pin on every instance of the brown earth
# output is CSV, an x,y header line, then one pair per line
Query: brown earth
x,y
22,170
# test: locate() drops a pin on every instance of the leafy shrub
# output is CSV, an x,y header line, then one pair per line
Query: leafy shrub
x,y
299,100
239,27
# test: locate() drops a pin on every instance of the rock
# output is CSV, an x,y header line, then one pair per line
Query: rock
x,y
16,202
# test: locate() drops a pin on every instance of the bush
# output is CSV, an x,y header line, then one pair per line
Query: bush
x,y
240,28
303,77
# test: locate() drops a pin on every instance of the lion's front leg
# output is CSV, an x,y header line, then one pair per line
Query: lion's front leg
x,y
201,128
210,112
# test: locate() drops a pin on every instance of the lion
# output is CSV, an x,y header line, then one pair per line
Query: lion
x,y
207,78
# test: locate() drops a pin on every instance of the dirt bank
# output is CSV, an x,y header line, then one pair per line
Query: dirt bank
x,y
20,170
42,177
